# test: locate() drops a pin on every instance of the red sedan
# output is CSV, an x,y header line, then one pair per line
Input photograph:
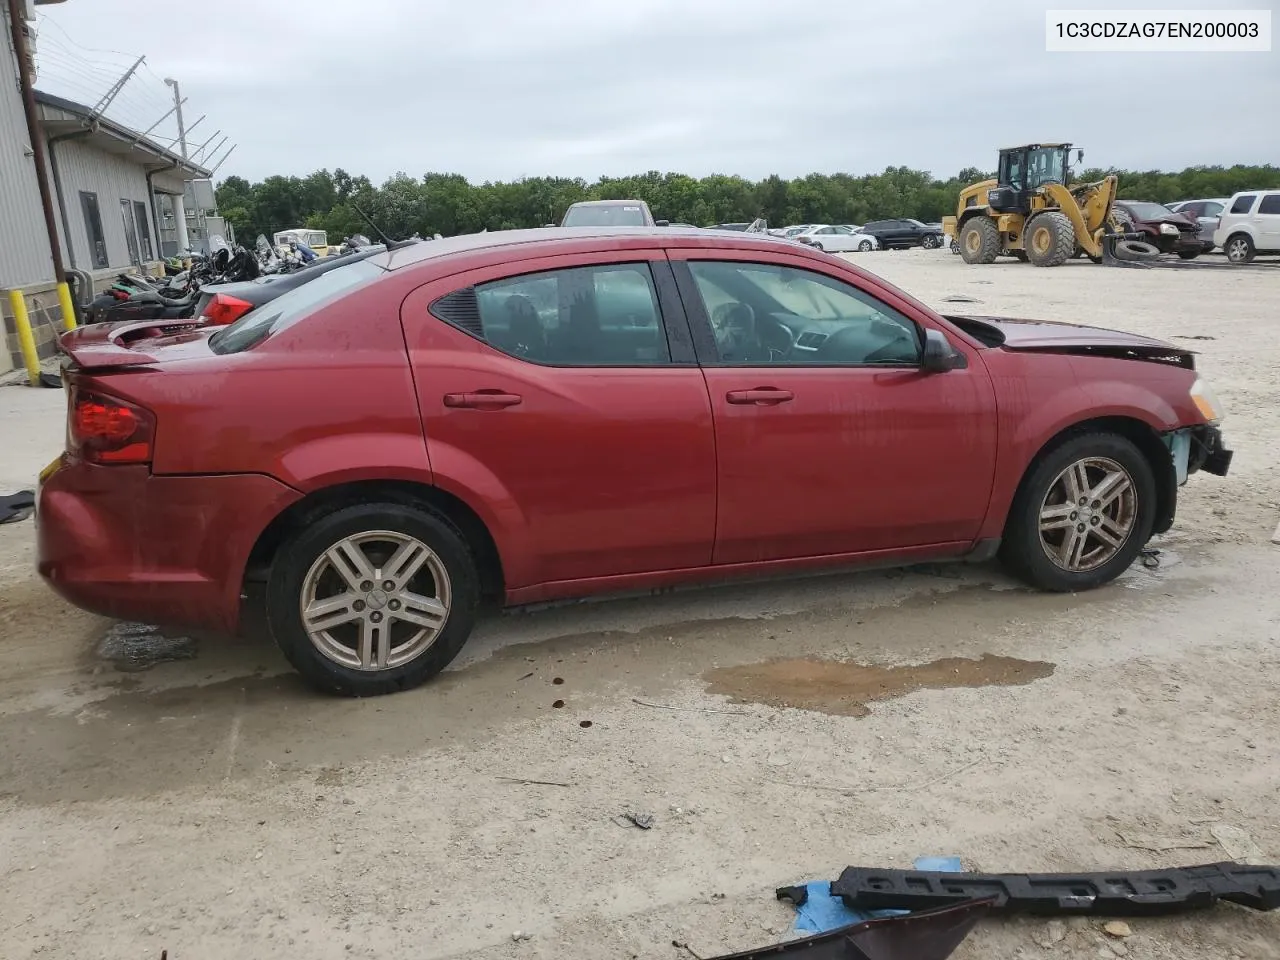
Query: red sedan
x,y
531,415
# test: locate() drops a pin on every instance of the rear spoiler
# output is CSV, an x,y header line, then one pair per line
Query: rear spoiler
x,y
106,345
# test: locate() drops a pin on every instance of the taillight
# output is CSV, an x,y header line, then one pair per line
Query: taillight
x,y
102,429
224,309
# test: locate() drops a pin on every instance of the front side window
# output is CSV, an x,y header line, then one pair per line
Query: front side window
x,y
1270,203
1244,204
770,314
592,316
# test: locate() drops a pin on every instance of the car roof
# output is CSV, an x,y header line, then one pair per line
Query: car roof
x,y
606,203
546,241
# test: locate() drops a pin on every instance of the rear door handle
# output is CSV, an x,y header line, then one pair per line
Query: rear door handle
x,y
761,396
482,400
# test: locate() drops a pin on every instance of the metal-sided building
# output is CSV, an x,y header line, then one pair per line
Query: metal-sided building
x,y
118,200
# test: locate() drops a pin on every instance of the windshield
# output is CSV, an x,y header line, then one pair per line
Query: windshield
x,y
605,215
1046,165
290,307
1147,211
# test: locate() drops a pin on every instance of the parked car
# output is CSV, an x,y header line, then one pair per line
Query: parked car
x,y
222,303
533,415
836,238
901,234
1206,213
1250,225
610,213
1169,232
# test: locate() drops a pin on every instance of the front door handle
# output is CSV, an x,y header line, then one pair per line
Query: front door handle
x,y
760,396
482,400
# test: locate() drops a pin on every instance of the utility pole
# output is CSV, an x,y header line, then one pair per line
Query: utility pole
x,y
179,208
35,131
177,105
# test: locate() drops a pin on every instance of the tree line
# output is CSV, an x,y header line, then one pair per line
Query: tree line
x,y
449,204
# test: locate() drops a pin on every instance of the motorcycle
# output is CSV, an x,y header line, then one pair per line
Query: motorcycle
x,y
133,297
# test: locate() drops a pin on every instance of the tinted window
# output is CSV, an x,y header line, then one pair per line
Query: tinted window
x,y
1270,203
763,313
875,225
605,215
584,316
1244,204
288,308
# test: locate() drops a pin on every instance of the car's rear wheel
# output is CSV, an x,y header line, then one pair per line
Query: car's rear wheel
x,y
373,598
1082,514
1239,249
929,241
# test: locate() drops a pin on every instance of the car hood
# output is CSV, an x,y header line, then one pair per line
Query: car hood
x,y
1047,336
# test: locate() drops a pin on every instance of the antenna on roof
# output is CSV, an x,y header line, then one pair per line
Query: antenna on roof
x,y
387,241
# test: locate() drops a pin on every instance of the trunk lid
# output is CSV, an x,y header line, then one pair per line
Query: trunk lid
x,y
118,346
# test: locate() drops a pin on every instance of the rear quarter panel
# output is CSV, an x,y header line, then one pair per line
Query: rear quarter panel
x,y
1039,395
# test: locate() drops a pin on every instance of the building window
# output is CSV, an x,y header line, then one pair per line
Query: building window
x,y
130,230
144,230
93,229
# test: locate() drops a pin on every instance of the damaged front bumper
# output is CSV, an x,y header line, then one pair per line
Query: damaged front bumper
x,y
1198,448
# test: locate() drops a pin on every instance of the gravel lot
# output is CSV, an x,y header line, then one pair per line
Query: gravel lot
x,y
213,807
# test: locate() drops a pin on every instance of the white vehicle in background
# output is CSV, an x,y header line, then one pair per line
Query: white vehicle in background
x,y
837,238
1250,225
1206,212
317,240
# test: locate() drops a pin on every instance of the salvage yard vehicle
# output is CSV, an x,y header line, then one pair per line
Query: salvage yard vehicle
x,y
836,238
1250,225
535,415
610,213
1165,230
903,234
1029,211
1205,212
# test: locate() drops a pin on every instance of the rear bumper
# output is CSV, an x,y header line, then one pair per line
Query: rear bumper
x,y
117,541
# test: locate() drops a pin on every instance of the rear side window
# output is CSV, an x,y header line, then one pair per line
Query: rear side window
x,y
1244,204
580,317
1270,203
290,307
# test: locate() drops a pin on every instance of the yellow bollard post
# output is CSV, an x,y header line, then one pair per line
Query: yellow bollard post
x,y
68,309
26,341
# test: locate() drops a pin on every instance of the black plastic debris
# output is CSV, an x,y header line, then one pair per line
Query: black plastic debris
x,y
17,506
928,935
1141,893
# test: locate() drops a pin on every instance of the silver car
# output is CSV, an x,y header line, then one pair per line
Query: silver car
x,y
1206,212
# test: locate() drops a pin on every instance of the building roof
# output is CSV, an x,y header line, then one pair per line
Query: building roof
x,y
60,116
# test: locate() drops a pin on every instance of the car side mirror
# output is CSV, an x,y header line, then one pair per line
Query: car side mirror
x,y
939,355
662,223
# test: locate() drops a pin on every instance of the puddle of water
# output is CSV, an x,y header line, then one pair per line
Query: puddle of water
x,y
845,689
134,647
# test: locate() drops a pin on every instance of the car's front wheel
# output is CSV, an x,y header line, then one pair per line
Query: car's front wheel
x,y
865,246
372,598
1082,514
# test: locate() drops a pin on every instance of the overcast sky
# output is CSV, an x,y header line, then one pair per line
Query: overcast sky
x,y
498,89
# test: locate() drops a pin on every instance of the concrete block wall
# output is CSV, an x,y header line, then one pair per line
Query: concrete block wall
x,y
45,314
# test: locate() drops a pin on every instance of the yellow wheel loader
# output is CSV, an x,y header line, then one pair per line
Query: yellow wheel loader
x,y
1031,212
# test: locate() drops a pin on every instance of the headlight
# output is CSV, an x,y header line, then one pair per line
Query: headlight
x,y
1207,402
1169,228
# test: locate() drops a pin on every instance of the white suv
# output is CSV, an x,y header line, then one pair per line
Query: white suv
x,y
1250,225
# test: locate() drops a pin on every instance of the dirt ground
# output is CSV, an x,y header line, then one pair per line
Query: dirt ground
x,y
213,807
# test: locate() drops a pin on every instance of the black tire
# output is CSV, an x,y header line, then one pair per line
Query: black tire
x,y
1189,254
866,246
1239,248
1022,550
296,557
820,247
929,241
979,240
1136,250
1049,239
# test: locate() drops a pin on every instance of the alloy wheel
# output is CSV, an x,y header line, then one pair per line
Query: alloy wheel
x,y
1238,250
375,600
1088,514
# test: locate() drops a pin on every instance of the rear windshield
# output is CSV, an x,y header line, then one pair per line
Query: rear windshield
x,y
610,215
292,306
